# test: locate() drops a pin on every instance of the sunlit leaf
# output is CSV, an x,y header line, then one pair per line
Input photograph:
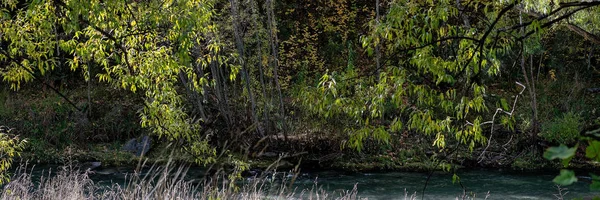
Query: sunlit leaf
x,y
560,152
592,151
566,177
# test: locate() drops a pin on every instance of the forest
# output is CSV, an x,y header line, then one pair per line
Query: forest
x,y
241,86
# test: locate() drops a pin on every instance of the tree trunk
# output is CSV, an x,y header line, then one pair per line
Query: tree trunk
x,y
221,104
377,53
240,48
259,28
194,97
274,62
530,87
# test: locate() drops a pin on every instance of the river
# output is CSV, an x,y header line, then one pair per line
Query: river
x,y
493,183
499,184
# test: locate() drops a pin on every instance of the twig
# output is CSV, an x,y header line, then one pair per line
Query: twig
x,y
498,110
560,194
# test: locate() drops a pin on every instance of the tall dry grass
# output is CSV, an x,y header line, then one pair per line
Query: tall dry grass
x,y
165,182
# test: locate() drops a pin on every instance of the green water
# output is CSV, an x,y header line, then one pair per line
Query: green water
x,y
499,184
393,185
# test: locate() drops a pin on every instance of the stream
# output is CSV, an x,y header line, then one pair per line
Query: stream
x,y
501,184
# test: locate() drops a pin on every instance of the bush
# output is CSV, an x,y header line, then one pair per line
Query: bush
x,y
10,147
563,130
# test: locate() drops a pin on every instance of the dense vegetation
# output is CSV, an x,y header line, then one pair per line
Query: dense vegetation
x,y
398,84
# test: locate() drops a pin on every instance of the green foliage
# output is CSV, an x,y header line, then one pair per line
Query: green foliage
x,y
438,63
593,150
455,178
10,147
314,35
560,152
564,130
566,177
141,46
434,90
437,60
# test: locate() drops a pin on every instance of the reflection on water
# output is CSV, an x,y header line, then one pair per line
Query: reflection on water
x,y
394,185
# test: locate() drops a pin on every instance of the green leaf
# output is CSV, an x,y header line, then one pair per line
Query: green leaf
x,y
504,104
561,152
593,150
369,51
455,179
595,186
566,177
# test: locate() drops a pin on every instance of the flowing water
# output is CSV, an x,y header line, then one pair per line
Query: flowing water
x,y
476,183
493,184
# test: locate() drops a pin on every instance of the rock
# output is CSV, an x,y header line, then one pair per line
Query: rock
x,y
143,147
89,166
109,171
130,145
138,147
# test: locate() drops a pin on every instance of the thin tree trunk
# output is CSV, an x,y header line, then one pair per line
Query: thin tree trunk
x,y
193,95
225,91
530,86
240,48
202,94
377,53
534,94
258,27
89,92
222,102
274,62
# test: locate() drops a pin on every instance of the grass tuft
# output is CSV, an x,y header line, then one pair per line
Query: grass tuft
x,y
160,182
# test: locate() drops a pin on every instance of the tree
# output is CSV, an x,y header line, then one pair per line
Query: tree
x,y
438,57
141,46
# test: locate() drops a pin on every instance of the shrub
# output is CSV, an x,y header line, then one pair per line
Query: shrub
x,y
563,130
10,147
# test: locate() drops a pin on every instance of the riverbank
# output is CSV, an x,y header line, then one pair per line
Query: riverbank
x,y
57,134
112,155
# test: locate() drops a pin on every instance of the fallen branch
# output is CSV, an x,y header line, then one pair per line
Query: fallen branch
x,y
498,110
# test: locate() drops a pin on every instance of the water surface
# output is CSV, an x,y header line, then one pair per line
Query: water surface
x,y
477,183
495,184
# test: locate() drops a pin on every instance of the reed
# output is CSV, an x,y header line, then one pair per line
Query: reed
x,y
161,182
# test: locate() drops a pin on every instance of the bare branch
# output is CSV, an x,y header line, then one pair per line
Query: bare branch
x,y
498,110
587,35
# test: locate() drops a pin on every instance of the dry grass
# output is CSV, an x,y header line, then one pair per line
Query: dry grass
x,y
164,182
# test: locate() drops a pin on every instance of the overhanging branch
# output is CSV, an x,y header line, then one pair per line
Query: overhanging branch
x,y
587,35
40,80
583,6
